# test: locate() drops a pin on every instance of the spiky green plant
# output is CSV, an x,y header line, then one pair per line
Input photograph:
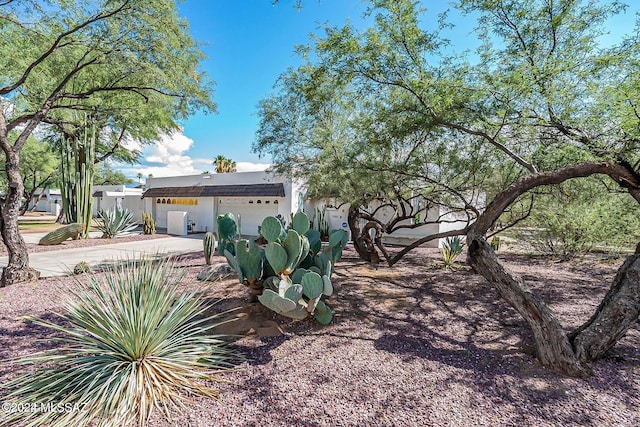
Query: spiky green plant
x,y
451,249
82,267
115,221
131,344
148,223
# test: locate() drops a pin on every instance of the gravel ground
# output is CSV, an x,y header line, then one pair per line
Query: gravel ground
x,y
410,346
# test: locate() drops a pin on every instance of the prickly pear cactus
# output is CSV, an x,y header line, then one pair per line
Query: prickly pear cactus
x,y
249,259
292,273
209,243
71,231
227,231
148,224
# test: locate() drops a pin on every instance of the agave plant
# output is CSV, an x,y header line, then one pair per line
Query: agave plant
x,y
451,249
131,343
115,221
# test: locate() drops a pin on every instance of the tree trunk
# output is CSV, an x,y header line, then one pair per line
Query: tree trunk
x,y
618,311
553,348
17,269
361,242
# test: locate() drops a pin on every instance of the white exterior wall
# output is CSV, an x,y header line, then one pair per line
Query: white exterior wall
x,y
51,197
205,212
120,196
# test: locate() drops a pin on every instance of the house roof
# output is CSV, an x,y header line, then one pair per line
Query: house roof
x,y
238,190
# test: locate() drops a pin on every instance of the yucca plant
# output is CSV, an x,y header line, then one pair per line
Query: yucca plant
x,y
131,343
115,221
451,249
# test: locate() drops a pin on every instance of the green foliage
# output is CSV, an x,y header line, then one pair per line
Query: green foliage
x,y
495,243
451,249
105,175
227,231
320,219
148,223
293,272
131,343
209,243
396,109
579,217
59,235
81,268
115,221
224,164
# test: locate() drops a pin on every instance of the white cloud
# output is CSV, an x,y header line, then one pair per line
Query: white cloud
x,y
251,167
166,157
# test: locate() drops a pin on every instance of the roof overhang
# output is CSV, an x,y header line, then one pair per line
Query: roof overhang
x,y
237,190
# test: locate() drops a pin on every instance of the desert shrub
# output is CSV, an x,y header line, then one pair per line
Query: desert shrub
x,y
131,343
82,267
115,221
578,218
451,249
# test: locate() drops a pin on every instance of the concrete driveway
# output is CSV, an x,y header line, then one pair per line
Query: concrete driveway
x,y
61,262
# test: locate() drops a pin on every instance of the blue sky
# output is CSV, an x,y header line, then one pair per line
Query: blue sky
x,y
249,43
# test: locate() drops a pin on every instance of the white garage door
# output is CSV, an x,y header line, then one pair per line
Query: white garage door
x,y
251,211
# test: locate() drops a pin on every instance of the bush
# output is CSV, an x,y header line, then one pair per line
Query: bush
x,y
131,344
579,218
82,267
115,221
451,249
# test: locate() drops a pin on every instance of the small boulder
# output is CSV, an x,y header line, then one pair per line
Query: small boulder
x,y
216,272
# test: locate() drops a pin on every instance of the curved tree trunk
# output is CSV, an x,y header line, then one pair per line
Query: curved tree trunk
x,y
17,269
553,348
361,241
617,312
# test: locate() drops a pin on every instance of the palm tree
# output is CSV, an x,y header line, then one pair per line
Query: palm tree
x,y
224,164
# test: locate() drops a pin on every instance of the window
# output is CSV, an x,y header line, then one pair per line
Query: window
x,y
259,201
158,201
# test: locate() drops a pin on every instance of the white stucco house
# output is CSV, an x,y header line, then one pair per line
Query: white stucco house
x,y
107,196
46,200
250,196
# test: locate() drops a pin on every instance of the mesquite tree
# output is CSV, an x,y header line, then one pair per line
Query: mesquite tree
x,y
398,100
130,63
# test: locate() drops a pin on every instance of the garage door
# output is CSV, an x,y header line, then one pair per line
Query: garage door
x,y
251,211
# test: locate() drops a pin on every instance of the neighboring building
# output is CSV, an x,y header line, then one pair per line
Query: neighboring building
x,y
46,200
250,196
107,196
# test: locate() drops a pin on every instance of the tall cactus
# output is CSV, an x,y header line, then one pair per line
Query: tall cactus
x,y
209,243
78,157
148,223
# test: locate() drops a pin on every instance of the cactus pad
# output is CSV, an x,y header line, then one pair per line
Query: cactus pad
x,y
277,256
275,302
323,313
300,222
312,284
271,229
